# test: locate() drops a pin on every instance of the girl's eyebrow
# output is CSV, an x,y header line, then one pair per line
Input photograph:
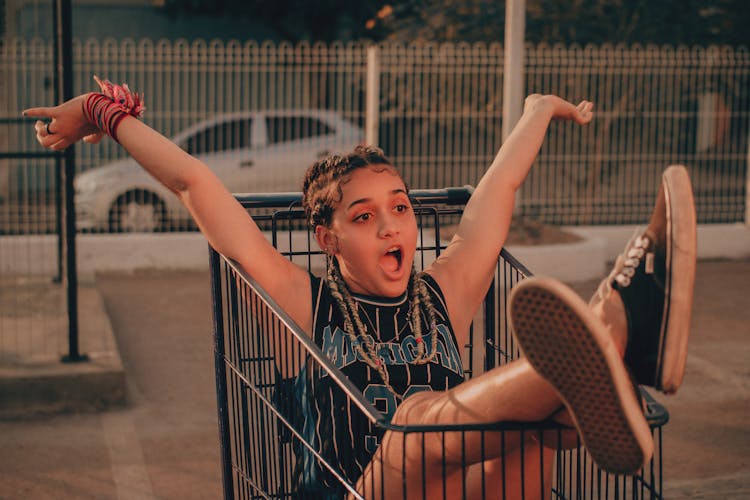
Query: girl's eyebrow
x,y
365,200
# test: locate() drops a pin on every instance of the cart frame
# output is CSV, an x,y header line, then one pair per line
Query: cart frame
x,y
253,337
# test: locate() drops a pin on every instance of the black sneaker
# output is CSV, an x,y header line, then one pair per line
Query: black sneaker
x,y
655,277
572,349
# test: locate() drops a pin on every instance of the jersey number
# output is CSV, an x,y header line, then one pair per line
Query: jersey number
x,y
385,401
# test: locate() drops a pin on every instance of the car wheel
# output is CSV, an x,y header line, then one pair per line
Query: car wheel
x,y
137,212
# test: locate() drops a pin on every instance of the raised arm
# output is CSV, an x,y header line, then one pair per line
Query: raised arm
x,y
465,269
221,219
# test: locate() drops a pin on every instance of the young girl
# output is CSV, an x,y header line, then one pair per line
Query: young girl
x,y
404,326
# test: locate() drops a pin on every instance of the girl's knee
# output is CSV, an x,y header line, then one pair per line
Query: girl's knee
x,y
413,409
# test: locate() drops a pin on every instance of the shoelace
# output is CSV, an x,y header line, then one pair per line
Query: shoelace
x,y
629,261
625,265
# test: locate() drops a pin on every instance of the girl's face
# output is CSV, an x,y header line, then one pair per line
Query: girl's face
x,y
373,233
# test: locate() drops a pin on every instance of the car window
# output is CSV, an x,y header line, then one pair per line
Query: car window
x,y
290,128
224,136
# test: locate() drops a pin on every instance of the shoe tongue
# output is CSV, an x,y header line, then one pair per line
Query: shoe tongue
x,y
653,240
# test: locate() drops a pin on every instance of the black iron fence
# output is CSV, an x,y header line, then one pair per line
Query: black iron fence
x,y
28,329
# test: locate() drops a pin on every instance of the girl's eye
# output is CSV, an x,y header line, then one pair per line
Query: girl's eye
x,y
363,217
402,208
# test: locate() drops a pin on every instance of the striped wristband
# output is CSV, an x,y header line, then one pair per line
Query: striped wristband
x,y
106,109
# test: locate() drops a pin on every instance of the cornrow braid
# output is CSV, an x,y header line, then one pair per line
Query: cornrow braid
x,y
322,184
355,330
420,301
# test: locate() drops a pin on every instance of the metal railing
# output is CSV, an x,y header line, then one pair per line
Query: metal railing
x,y
32,300
438,115
435,109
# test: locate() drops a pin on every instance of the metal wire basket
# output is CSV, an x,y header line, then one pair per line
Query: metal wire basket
x,y
270,451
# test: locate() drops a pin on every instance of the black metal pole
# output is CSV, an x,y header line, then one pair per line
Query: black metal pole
x,y
222,398
59,219
56,88
64,37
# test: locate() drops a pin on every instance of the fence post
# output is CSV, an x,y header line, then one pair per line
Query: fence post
x,y
372,101
513,72
513,84
747,184
64,69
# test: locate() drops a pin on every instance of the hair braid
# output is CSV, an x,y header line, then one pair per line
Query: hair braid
x,y
420,304
357,336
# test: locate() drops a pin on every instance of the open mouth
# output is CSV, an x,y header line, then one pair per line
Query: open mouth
x,y
392,259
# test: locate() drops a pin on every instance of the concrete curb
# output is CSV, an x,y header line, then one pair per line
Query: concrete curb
x,y
715,241
578,261
31,255
38,386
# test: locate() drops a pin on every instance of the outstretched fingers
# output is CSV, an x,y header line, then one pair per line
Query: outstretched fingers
x,y
60,126
42,112
584,112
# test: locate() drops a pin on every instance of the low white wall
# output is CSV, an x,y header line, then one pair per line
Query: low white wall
x,y
715,241
35,255
579,261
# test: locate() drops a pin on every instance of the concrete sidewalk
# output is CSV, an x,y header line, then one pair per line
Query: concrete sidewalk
x,y
164,443
34,379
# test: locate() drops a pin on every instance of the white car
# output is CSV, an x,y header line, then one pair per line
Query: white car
x,y
266,151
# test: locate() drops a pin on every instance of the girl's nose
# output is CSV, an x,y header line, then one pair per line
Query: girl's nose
x,y
388,227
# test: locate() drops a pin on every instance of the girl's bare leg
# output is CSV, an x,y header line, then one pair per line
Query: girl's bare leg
x,y
525,472
421,464
557,329
418,465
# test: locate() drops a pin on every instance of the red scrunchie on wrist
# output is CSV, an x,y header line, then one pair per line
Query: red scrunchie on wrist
x,y
106,109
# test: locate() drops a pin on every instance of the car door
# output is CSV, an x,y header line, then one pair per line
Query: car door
x,y
225,145
294,141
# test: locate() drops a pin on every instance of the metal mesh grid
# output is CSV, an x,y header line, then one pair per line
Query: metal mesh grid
x,y
437,114
265,443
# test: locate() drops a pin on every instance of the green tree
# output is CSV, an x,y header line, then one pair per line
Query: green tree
x,y
547,21
570,21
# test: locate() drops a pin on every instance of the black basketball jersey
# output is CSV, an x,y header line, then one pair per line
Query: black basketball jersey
x,y
345,436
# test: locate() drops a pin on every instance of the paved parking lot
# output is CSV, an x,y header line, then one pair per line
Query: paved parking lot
x,y
164,443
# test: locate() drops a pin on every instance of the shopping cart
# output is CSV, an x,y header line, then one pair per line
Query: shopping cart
x,y
267,448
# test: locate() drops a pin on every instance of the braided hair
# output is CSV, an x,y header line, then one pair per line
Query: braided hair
x,y
322,185
322,192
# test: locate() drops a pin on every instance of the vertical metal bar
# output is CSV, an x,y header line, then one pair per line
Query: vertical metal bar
x,y
64,49
221,372
58,163
513,78
747,185
58,215
490,339
372,104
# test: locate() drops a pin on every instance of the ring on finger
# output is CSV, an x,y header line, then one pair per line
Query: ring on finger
x,y
46,127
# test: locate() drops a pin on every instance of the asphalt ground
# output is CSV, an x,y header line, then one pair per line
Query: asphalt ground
x,y
164,442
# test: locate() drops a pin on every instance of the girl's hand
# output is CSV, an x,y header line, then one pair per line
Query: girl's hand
x,y
581,114
67,125
562,109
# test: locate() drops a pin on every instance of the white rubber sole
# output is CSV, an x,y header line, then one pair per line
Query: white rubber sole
x,y
569,346
680,278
